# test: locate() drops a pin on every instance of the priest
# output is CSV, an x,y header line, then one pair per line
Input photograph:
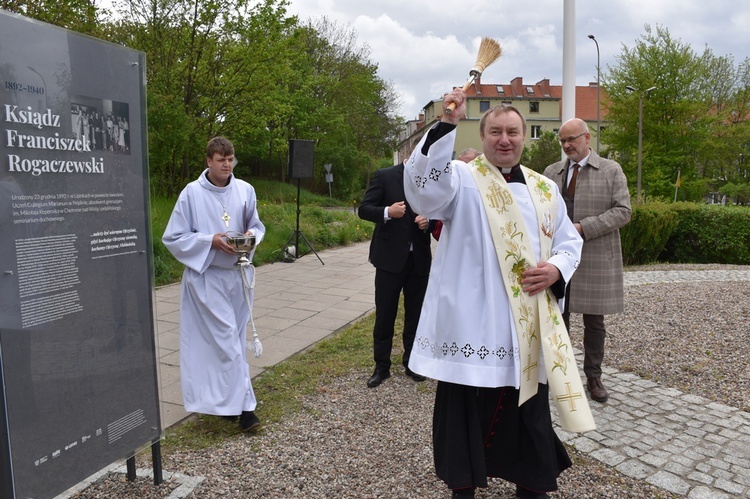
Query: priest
x,y
490,330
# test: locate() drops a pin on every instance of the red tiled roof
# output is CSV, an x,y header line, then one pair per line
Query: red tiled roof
x,y
585,96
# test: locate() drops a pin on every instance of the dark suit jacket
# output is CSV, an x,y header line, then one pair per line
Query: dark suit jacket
x,y
390,243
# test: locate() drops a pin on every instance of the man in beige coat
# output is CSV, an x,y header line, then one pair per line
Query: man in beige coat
x,y
598,203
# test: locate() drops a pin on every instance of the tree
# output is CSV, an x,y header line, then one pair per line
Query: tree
x,y
737,193
722,157
543,152
687,118
77,15
212,69
340,102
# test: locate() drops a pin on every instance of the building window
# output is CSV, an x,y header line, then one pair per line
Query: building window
x,y
500,90
536,131
484,105
529,90
507,103
533,107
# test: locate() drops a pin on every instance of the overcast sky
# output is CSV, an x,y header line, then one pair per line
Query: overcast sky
x,y
425,47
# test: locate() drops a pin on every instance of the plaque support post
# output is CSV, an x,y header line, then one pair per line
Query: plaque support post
x,y
130,466
156,460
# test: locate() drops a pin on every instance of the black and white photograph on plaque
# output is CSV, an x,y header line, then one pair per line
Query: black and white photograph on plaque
x,y
103,124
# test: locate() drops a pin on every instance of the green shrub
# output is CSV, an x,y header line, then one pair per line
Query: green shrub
x,y
166,268
709,234
645,237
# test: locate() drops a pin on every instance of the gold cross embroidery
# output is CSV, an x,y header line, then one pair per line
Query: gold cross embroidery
x,y
570,397
226,219
529,366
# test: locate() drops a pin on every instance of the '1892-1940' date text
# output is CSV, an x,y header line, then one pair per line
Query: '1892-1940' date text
x,y
20,87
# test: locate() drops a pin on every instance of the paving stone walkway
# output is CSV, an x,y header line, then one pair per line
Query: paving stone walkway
x,y
683,443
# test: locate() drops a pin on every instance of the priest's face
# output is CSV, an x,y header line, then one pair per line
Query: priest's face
x,y
220,168
502,138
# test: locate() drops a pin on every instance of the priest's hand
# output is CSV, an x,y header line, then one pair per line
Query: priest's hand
x,y
220,244
537,280
421,222
457,97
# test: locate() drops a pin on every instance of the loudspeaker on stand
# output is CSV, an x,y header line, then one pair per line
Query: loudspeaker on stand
x,y
301,159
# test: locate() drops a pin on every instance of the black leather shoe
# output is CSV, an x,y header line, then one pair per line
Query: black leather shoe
x,y
249,421
463,493
377,378
416,377
522,492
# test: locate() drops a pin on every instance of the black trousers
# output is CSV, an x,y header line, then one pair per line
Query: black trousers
x,y
388,288
481,432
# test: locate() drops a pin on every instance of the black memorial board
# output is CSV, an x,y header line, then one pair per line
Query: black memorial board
x,y
77,346
301,159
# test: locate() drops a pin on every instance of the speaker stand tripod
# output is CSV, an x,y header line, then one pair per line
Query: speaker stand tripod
x,y
296,235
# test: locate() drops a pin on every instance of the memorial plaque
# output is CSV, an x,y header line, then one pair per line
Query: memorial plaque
x,y
77,344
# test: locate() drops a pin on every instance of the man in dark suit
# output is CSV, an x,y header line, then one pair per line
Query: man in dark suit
x,y
400,251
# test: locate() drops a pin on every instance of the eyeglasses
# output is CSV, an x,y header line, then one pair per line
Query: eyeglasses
x,y
570,139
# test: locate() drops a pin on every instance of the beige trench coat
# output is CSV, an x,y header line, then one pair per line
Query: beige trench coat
x,y
601,206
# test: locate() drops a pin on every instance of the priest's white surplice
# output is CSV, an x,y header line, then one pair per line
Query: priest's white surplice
x,y
214,313
466,333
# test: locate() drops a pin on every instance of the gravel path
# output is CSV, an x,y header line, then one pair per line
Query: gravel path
x,y
354,442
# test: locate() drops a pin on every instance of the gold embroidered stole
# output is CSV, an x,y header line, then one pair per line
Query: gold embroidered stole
x,y
537,318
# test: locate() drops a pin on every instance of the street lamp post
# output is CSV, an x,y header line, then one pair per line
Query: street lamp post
x,y
640,133
598,98
44,86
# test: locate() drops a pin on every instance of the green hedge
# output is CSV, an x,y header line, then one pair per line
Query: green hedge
x,y
647,233
687,233
709,234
